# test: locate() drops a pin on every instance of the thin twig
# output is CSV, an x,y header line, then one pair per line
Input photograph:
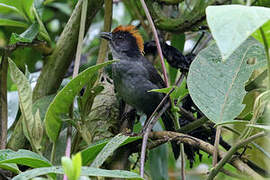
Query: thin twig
x,y
157,41
76,69
3,101
231,152
145,137
177,126
217,138
148,122
148,126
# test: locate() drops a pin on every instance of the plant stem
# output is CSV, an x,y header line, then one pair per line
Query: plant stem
x,y
215,154
76,69
3,102
157,41
177,126
53,152
248,3
107,27
231,152
146,134
266,47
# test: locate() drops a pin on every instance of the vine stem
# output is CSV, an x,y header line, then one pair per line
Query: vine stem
x,y
231,152
215,154
156,40
76,69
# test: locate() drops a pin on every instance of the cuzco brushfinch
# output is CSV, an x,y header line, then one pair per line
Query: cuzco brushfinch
x,y
134,75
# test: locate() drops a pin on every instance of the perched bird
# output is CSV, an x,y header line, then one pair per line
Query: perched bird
x,y
134,75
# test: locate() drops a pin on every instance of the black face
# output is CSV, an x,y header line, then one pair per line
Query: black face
x,y
122,43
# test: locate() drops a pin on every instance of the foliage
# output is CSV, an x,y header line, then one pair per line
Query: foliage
x,y
226,84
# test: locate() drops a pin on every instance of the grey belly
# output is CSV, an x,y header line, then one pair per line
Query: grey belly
x,y
134,91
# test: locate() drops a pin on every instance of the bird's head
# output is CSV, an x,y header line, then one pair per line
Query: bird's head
x,y
125,41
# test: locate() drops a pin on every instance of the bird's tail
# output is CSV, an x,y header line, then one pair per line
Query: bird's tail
x,y
167,119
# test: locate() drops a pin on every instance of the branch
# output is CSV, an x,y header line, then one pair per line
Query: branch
x,y
157,41
216,145
166,136
232,151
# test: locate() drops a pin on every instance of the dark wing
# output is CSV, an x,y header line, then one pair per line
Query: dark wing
x,y
155,78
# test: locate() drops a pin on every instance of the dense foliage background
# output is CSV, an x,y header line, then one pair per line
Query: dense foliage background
x,y
219,50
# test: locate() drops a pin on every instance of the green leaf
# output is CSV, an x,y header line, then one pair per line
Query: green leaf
x,y
42,105
266,28
25,97
109,148
63,7
13,23
90,153
23,157
72,168
10,167
218,87
86,171
27,6
163,90
7,7
265,127
68,167
178,93
43,31
37,131
231,25
27,36
62,101
77,165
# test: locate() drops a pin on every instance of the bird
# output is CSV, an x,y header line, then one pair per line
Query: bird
x,y
134,76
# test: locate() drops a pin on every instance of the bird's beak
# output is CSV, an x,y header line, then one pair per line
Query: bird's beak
x,y
106,35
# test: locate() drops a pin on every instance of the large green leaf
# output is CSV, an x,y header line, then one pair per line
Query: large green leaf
x,y
8,22
23,157
25,101
109,148
86,171
218,87
62,101
90,153
10,167
231,25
